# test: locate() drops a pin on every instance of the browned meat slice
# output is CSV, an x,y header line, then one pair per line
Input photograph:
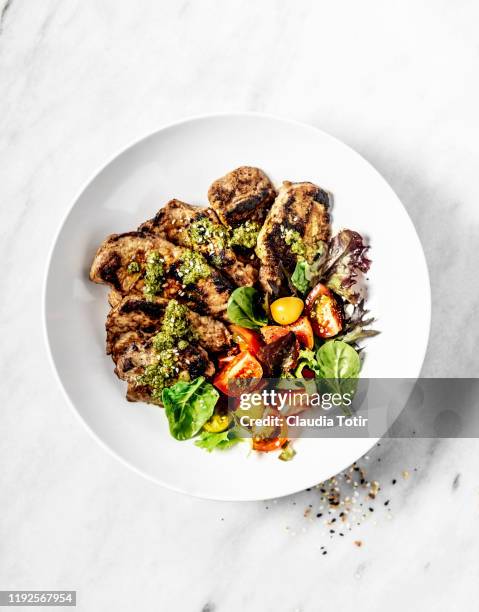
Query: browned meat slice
x,y
200,229
212,334
297,226
116,253
137,319
117,345
114,298
134,319
141,263
245,194
137,393
134,361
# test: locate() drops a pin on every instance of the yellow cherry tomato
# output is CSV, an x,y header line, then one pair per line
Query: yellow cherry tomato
x,y
287,310
217,423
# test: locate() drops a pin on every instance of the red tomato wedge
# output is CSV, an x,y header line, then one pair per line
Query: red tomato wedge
x,y
303,331
324,312
301,328
247,339
235,378
271,333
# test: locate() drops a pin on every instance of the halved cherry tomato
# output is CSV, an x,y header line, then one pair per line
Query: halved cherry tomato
x,y
303,331
218,423
269,438
265,445
247,339
236,377
271,333
324,312
286,310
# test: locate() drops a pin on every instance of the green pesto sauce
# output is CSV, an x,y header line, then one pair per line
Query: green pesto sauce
x,y
304,251
154,271
160,374
245,235
133,267
174,336
193,267
294,240
204,231
175,328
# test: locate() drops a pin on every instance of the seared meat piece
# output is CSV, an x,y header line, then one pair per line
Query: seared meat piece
x,y
170,221
245,194
116,253
117,344
134,319
213,335
200,229
114,298
123,261
137,319
132,362
297,226
191,362
137,393
208,297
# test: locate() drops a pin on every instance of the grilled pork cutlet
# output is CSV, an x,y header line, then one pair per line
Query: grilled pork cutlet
x,y
134,362
137,319
200,229
297,227
145,264
245,194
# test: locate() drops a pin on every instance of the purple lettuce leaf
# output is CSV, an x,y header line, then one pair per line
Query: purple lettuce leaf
x,y
345,266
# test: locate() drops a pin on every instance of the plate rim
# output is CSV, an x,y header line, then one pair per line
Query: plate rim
x,y
84,186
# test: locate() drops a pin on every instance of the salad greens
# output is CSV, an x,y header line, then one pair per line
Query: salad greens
x,y
301,276
356,324
306,275
244,308
337,360
345,261
334,359
188,405
220,441
307,359
336,363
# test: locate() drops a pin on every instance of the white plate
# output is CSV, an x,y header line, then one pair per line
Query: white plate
x,y
181,161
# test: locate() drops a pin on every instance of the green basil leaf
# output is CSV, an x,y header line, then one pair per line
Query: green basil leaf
x,y
188,405
301,276
337,359
244,308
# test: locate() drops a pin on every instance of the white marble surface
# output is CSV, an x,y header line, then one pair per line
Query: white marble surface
x,y
82,79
